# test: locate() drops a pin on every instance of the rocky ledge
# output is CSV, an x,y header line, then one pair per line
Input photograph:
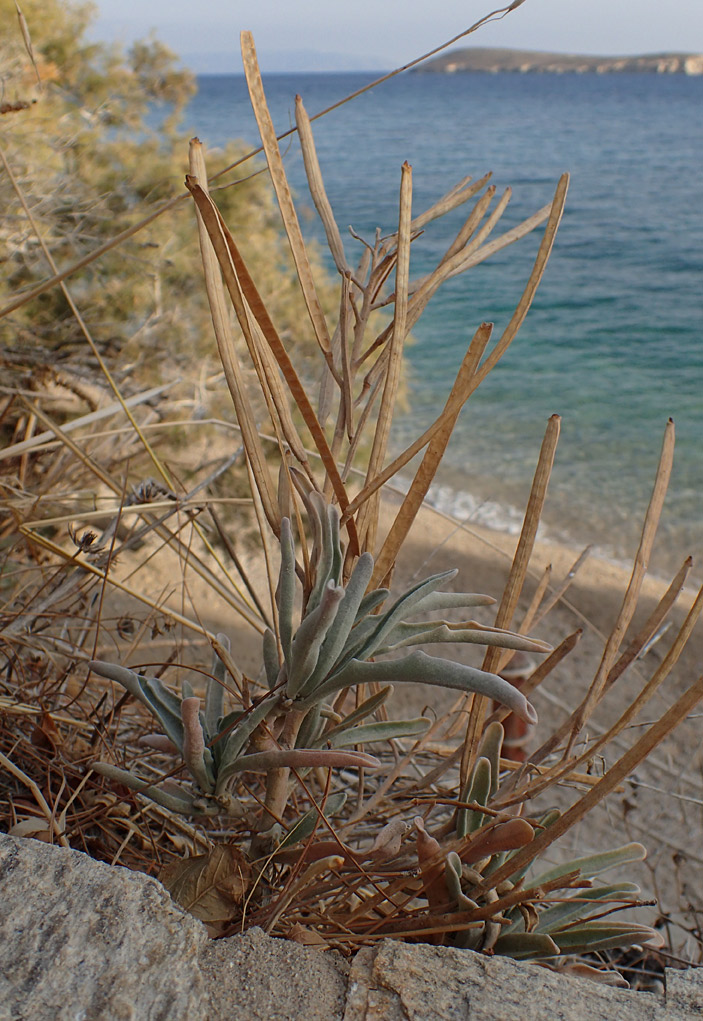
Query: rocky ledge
x,y
495,60
83,940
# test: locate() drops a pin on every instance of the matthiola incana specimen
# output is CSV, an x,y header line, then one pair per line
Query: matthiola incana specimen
x,y
346,636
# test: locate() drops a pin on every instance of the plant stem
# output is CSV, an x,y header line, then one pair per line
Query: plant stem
x,y
277,779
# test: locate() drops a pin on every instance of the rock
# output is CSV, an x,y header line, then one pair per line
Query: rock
x,y
254,977
81,941
399,982
684,991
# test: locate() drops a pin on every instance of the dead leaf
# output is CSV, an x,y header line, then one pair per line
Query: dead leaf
x,y
307,937
210,886
45,734
36,828
390,837
607,978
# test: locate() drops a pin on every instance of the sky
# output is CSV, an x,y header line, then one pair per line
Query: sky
x,y
368,34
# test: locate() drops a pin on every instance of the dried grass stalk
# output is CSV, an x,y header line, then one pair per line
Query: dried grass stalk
x,y
438,444
627,610
516,580
285,200
367,518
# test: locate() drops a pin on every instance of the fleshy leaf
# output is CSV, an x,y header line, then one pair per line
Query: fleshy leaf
x,y
602,935
306,824
302,758
337,555
423,669
526,946
183,805
491,747
451,601
371,600
478,789
584,904
285,591
328,556
197,757
384,730
436,632
165,705
367,707
335,641
308,639
215,690
270,657
129,679
594,864
238,738
388,840
452,879
161,702
407,603
494,838
309,733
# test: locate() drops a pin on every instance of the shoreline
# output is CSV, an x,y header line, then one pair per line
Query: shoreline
x,y
496,527
494,60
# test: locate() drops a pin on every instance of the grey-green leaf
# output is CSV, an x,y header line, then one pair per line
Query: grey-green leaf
x,y
166,706
184,805
526,946
433,633
491,747
129,679
367,707
308,639
215,690
452,601
594,864
309,729
384,730
371,600
285,591
583,904
452,878
407,604
336,639
326,556
477,789
163,704
420,668
270,656
238,738
603,935
306,824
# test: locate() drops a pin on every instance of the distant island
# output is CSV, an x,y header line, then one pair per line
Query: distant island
x,y
495,60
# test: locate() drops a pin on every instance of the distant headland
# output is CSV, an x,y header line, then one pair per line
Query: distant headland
x,y
522,61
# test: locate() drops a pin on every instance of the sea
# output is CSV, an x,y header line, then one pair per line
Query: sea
x,y
614,340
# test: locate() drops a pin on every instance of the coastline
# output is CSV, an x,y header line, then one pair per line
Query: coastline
x,y
494,60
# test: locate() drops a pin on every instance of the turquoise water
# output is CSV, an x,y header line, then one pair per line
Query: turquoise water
x,y
614,341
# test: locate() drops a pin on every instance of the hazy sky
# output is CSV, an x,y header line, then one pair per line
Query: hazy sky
x,y
386,33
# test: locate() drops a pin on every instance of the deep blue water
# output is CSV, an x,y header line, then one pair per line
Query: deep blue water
x,y
614,340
